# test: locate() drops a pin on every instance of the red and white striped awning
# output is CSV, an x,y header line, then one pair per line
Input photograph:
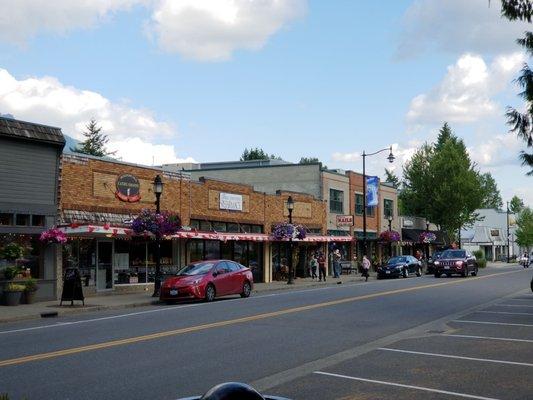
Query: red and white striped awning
x,y
107,230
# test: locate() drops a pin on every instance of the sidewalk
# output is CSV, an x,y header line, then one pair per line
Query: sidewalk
x,y
123,301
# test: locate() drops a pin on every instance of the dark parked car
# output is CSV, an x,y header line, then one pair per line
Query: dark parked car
x,y
400,266
207,280
431,262
459,262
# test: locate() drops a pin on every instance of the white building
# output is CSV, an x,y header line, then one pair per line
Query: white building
x,y
490,235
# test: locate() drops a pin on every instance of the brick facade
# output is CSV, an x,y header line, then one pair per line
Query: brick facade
x,y
88,184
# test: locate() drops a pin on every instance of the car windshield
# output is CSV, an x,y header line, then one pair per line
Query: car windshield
x,y
197,269
454,254
397,260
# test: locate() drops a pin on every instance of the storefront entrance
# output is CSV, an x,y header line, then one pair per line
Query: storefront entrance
x,y
104,266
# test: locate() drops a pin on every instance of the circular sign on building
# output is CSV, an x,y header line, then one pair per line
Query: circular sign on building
x,y
128,188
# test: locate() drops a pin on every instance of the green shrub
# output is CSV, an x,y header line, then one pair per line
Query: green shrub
x,y
11,272
30,285
481,263
479,254
12,251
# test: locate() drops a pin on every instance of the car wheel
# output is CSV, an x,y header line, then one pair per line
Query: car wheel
x,y
465,272
246,290
474,272
419,272
405,273
210,293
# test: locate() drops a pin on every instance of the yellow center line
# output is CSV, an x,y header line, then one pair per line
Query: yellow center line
x,y
196,328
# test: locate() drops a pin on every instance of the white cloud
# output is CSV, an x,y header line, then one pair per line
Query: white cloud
x,y
24,19
457,26
46,100
466,92
211,30
496,151
139,151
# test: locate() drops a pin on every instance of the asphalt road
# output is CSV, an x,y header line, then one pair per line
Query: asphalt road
x,y
404,338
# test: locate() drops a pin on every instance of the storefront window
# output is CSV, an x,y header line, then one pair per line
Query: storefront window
x,y
240,253
81,253
129,262
6,219
22,219
195,250
255,260
219,226
37,220
205,226
212,250
233,227
166,258
13,245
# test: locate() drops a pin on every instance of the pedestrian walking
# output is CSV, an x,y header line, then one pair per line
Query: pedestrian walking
x,y
313,266
321,267
336,263
366,267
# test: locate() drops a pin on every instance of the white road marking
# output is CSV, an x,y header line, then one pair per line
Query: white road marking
x,y
464,321
489,360
488,338
504,312
425,389
520,299
512,305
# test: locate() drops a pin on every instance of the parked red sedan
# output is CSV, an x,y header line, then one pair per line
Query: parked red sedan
x,y
207,280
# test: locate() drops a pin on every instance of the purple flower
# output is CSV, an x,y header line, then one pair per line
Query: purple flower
x,y
285,231
161,224
389,236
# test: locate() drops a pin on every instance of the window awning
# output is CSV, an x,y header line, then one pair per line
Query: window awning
x,y
106,230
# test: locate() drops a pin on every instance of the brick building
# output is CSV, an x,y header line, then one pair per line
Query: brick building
x,y
96,215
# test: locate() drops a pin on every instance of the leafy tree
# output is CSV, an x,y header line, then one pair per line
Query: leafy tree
x,y
311,160
257,154
392,178
491,194
95,141
522,123
417,182
441,184
524,230
516,205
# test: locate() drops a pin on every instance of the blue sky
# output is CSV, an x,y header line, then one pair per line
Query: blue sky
x,y
202,79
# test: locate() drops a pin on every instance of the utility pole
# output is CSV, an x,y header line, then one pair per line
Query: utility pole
x,y
508,236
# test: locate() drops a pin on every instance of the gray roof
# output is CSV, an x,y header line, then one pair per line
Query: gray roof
x,y
29,131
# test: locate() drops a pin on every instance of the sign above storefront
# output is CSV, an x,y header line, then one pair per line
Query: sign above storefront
x,y
344,220
128,188
230,201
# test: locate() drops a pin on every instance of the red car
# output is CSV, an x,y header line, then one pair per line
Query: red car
x,y
207,280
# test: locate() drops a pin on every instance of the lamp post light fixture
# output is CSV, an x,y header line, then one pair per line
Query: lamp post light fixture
x,y
290,207
365,155
158,191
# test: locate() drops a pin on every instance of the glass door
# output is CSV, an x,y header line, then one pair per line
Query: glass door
x,y
104,267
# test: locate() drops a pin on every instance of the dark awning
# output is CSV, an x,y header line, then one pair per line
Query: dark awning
x,y
30,131
413,235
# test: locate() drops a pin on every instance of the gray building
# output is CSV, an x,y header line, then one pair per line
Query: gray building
x,y
29,178
489,234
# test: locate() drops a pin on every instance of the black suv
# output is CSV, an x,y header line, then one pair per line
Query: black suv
x,y
456,261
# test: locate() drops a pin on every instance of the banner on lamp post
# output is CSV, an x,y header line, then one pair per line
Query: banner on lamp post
x,y
372,183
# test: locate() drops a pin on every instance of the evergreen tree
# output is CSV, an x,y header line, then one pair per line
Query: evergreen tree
x,y
491,193
257,154
445,134
390,177
522,123
95,141
516,205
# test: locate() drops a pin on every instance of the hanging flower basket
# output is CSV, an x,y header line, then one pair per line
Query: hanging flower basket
x,y
285,231
427,237
162,224
389,236
53,235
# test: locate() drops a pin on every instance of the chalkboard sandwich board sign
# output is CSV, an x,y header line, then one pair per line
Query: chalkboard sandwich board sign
x,y
72,289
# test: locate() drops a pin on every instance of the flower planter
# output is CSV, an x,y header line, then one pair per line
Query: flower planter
x,y
12,298
29,296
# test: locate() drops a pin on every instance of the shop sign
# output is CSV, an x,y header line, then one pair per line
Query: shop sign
x,y
128,188
230,201
344,220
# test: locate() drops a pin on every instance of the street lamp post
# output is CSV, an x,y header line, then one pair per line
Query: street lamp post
x,y
427,244
290,207
508,249
365,155
158,190
390,229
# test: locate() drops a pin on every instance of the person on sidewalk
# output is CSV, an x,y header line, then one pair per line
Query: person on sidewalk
x,y
366,267
321,267
313,267
336,263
